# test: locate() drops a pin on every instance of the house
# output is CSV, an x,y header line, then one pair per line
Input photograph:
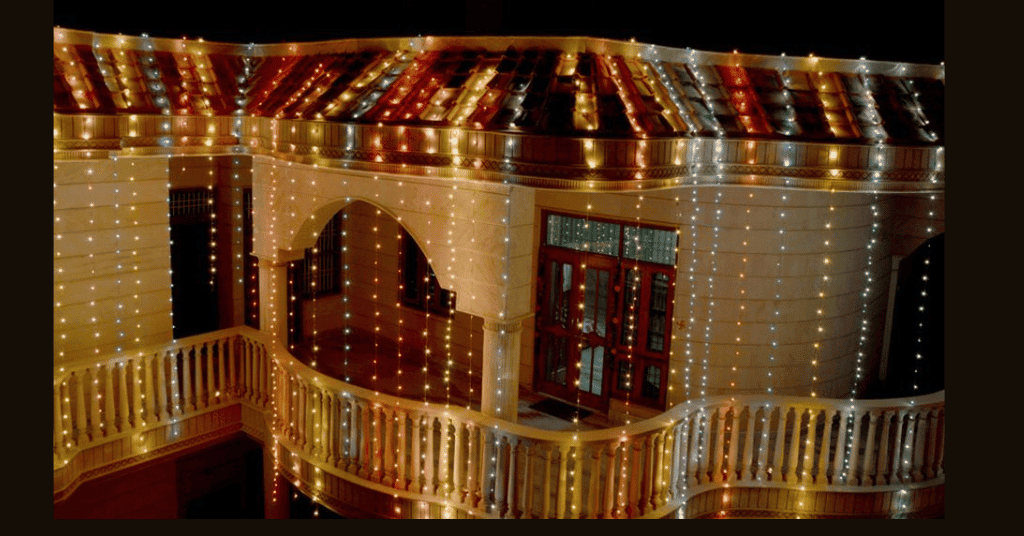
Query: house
x,y
359,255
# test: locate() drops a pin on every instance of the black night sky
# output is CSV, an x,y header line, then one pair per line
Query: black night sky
x,y
889,31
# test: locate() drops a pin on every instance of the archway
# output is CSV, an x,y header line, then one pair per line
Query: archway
x,y
364,306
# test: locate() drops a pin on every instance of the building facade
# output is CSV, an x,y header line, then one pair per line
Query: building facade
x,y
361,253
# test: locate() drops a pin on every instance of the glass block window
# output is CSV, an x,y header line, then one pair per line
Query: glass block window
x,y
649,245
583,235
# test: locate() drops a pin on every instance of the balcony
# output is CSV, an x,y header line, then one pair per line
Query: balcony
x,y
712,457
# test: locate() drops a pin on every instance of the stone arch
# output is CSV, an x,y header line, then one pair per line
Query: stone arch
x,y
310,228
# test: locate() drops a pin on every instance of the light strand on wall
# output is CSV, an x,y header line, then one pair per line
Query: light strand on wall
x,y
633,306
345,290
823,285
376,297
400,337
449,357
744,269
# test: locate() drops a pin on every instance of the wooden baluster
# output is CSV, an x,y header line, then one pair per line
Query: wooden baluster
x,y
645,463
211,391
821,477
623,491
838,475
67,417
123,421
233,366
389,450
93,398
609,488
138,415
429,475
401,452
851,471
109,416
443,489
763,441
330,428
528,471
458,463
80,420
933,426
472,465
375,446
678,463
719,453
917,466
807,465
546,475
747,467
667,465
149,373
594,489
163,412
897,448
58,425
635,477
779,442
883,449
794,446
186,380
704,462
510,471
258,374
261,375
500,474
733,437
867,469
906,450
222,362
657,477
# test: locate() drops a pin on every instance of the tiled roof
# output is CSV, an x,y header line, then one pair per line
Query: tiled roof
x,y
535,86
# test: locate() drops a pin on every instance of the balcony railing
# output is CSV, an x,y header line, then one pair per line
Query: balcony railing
x,y
488,467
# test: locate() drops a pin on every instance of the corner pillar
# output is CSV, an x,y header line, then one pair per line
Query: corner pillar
x,y
500,374
274,297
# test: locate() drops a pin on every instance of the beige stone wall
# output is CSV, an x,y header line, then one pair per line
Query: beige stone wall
x,y
111,258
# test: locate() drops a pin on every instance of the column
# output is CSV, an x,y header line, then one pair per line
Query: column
x,y
273,274
500,375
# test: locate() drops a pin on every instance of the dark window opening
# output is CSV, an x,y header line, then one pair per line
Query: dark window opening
x,y
420,289
193,281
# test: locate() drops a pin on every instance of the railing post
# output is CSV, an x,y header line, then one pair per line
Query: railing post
x,y
123,422
442,463
186,380
176,401
222,350
67,417
390,451
794,445
851,471
594,489
919,436
234,364
562,477
734,432
210,391
149,393
93,399
575,504
376,423
546,496
762,447
471,495
528,472
109,414
428,466
907,451
719,454
941,446
402,454
635,477
458,462
80,422
867,470
780,443
807,466
883,449
161,387
897,449
838,475
657,469
933,426
510,478
58,424
695,437
747,467
609,488
330,427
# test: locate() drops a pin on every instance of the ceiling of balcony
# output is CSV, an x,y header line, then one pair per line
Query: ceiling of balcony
x,y
554,86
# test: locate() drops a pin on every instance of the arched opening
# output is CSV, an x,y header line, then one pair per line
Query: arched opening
x,y
916,353
365,307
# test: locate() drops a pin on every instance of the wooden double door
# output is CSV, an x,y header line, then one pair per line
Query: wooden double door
x,y
576,326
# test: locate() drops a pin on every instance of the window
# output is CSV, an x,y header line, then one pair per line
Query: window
x,y
420,289
321,267
604,310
